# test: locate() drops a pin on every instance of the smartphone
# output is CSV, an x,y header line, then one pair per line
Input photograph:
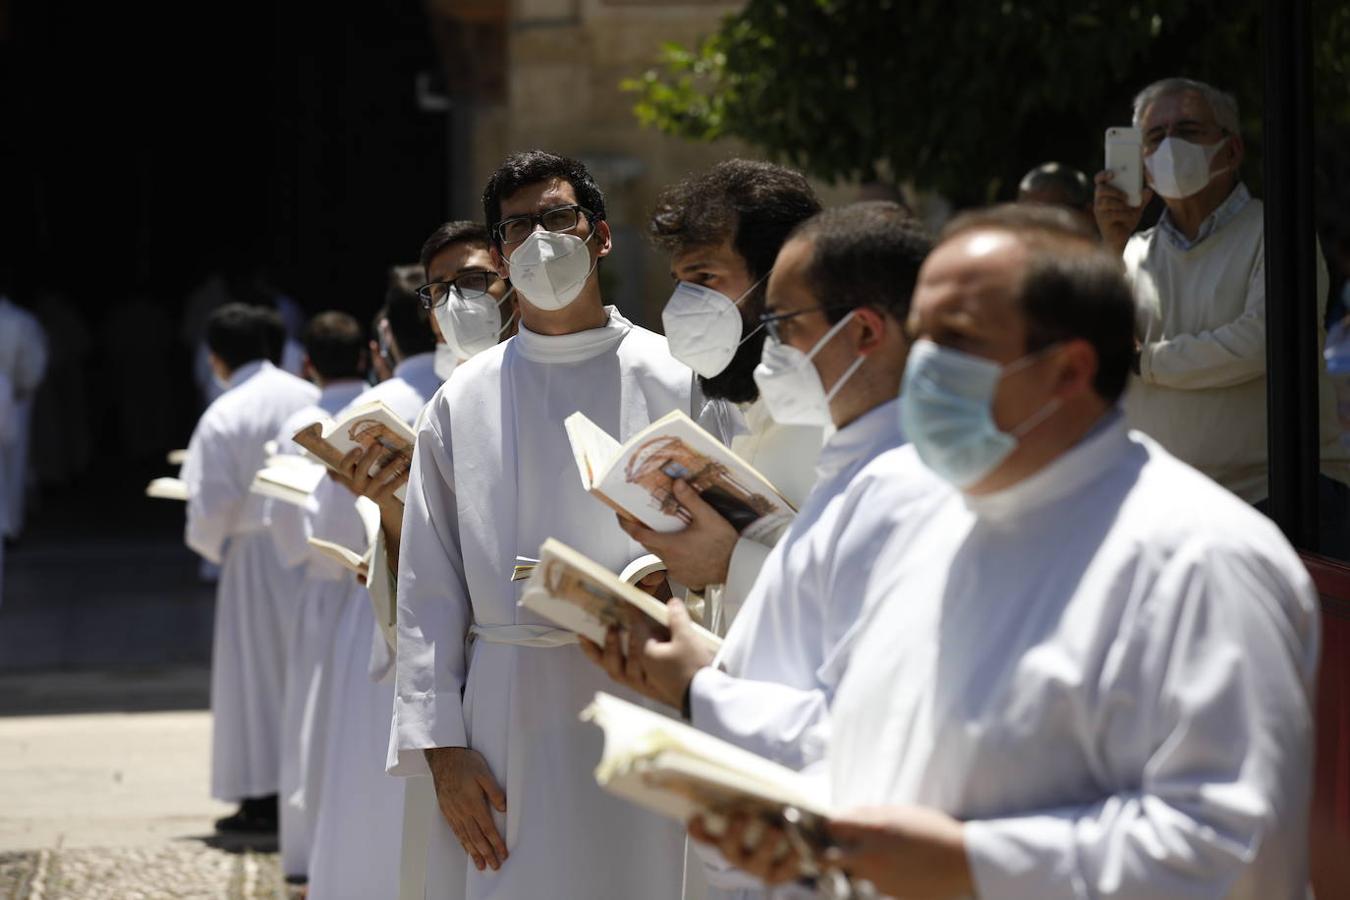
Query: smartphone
x,y
1125,159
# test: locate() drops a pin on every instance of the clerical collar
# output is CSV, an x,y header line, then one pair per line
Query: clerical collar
x,y
1088,460
247,371
873,431
576,347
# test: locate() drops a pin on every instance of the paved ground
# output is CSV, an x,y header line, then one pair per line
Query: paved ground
x,y
104,731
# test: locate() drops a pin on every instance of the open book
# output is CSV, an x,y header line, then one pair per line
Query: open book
x,y
167,489
353,559
177,457
330,440
637,477
575,592
678,771
288,478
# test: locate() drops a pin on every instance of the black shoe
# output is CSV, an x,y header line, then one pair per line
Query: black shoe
x,y
256,815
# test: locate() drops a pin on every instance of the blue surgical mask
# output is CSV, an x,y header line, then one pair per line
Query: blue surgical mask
x,y
946,411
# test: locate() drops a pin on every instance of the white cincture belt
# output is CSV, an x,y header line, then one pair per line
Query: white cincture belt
x,y
522,635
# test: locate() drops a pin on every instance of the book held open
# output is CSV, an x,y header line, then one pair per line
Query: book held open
x,y
167,489
679,772
577,593
330,440
637,477
289,478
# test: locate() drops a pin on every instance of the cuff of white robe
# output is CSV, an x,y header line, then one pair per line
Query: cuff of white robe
x,y
702,691
423,722
747,558
1028,857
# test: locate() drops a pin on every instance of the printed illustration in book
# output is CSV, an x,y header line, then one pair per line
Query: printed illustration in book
x,y
638,477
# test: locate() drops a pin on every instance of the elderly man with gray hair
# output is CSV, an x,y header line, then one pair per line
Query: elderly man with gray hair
x,y
1200,289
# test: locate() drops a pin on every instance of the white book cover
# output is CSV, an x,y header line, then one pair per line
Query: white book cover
x,y
637,477
679,772
575,592
291,479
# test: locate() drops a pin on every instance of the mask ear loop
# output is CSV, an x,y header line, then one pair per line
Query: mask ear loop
x,y
853,367
741,299
1051,406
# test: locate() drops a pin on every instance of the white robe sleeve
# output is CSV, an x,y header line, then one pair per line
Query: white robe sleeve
x,y
1213,759
434,611
747,558
785,724
8,418
214,497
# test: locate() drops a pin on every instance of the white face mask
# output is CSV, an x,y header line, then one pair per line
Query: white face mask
x,y
550,268
1180,169
472,324
791,386
703,326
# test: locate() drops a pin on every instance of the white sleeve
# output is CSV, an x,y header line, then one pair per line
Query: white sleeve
x,y
1221,357
773,720
1215,787
8,424
214,495
747,558
434,611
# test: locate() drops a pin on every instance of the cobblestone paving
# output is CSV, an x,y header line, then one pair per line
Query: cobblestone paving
x,y
179,871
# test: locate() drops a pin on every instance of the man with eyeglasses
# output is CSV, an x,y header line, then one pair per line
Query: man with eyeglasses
x,y
1199,279
834,312
487,695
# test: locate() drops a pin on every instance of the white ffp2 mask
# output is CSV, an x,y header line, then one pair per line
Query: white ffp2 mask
x,y
791,386
704,326
472,324
1180,169
550,268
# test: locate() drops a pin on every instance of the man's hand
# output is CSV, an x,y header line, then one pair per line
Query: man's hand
x,y
905,851
464,788
700,554
659,663
391,469
752,846
1116,219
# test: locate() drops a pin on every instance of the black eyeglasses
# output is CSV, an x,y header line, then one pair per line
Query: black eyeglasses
x,y
770,322
469,286
559,218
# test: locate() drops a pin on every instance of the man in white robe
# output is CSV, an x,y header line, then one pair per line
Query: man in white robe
x,y
23,360
723,228
487,694
769,688
335,360
1083,669
358,830
226,525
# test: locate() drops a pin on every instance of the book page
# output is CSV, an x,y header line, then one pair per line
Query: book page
x,y
290,482
592,448
177,457
675,447
343,556
679,771
577,593
167,489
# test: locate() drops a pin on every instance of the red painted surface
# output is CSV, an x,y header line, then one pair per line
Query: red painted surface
x,y
1331,787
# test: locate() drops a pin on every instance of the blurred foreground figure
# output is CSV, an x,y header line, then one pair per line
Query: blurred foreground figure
x,y
1082,669
23,360
226,524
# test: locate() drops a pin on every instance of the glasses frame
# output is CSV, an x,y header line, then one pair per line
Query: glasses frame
x,y
769,321
536,220
424,292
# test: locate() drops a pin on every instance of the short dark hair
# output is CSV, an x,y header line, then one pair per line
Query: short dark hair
x,y
408,318
532,167
336,345
865,254
1072,288
235,334
755,204
457,232
273,332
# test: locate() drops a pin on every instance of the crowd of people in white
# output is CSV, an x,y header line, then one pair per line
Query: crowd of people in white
x,y
1026,625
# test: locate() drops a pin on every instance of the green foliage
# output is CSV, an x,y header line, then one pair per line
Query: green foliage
x,y
959,97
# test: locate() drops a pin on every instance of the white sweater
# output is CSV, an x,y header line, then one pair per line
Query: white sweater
x,y
1201,320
